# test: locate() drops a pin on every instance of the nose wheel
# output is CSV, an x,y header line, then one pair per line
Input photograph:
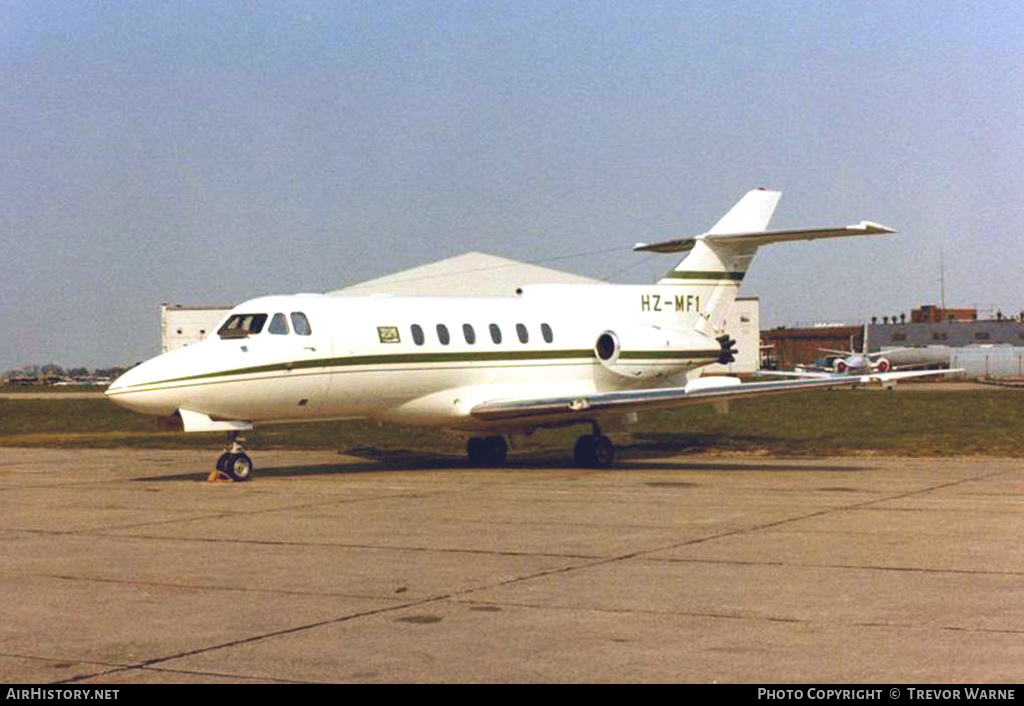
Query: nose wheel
x,y
233,464
237,466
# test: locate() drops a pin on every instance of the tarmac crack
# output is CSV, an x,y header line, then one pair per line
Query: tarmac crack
x,y
325,545
823,512
265,636
805,565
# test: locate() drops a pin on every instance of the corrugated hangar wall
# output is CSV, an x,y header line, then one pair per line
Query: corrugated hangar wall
x,y
955,334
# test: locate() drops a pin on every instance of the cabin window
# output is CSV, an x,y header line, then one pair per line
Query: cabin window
x,y
469,334
279,325
442,335
242,325
524,335
545,331
301,324
495,333
417,334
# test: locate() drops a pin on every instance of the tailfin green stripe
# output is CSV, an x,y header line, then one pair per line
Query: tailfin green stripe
x,y
716,276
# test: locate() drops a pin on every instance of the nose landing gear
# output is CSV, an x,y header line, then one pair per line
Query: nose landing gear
x,y
233,464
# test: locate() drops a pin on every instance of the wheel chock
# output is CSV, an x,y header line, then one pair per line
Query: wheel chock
x,y
219,477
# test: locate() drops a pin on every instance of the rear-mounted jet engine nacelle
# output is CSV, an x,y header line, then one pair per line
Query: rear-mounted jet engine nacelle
x,y
650,351
882,365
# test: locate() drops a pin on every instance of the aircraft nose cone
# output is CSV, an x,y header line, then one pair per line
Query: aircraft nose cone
x,y
130,378
137,390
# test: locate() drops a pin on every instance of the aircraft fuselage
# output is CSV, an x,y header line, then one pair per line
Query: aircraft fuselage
x,y
422,360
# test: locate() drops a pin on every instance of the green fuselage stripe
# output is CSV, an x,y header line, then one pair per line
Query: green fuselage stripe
x,y
424,358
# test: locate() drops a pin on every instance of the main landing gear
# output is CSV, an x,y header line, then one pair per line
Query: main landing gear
x,y
593,450
233,463
490,450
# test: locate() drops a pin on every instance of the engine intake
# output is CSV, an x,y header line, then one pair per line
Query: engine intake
x,y
607,346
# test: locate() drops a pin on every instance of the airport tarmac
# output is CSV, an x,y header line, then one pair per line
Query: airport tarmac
x,y
126,566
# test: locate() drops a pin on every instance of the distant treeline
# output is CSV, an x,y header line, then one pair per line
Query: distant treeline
x,y
50,374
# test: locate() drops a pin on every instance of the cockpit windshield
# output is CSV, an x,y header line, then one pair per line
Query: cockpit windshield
x,y
242,325
301,324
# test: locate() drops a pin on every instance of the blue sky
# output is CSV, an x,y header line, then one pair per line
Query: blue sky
x,y
208,152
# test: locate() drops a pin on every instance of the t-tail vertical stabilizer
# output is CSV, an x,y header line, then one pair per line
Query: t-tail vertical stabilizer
x,y
717,261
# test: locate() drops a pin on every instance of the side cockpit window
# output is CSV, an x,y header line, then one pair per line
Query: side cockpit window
x,y
242,325
278,325
300,324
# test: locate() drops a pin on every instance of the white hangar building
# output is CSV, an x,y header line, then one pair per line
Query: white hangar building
x,y
472,274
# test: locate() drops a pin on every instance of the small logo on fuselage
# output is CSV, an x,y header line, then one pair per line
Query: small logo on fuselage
x,y
388,334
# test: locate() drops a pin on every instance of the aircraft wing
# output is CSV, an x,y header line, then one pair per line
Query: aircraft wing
x,y
876,354
883,378
552,410
811,374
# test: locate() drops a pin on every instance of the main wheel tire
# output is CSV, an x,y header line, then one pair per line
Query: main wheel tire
x,y
238,466
487,450
593,452
476,450
584,454
496,449
604,452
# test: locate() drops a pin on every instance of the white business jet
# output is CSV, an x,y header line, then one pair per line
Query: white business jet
x,y
553,355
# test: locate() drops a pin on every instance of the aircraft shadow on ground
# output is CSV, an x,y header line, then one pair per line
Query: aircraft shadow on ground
x,y
646,452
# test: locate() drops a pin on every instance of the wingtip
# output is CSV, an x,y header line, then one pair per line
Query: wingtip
x,y
875,227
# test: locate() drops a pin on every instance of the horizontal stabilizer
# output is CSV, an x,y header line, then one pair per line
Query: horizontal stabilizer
x,y
764,237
